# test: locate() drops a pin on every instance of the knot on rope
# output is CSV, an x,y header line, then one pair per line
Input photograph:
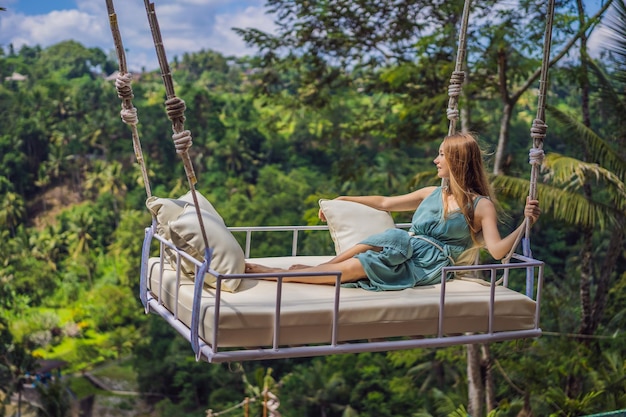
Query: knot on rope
x,y
454,90
175,108
122,85
456,83
538,129
453,114
535,156
182,141
129,116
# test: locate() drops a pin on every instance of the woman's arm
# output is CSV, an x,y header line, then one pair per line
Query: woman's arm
x,y
405,202
486,217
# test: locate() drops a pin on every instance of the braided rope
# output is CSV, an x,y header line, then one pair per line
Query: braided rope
x,y
454,91
538,132
125,93
455,88
175,109
458,75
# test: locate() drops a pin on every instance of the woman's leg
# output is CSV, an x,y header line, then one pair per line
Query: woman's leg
x,y
356,249
351,270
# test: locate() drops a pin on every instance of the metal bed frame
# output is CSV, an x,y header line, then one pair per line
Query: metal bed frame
x,y
213,354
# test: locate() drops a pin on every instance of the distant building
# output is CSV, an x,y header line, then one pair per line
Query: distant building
x,y
113,76
16,77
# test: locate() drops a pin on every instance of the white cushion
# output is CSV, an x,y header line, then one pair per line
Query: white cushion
x,y
248,316
177,222
227,256
168,209
350,222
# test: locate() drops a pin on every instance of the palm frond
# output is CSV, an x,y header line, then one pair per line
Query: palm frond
x,y
616,30
561,204
573,173
609,95
600,150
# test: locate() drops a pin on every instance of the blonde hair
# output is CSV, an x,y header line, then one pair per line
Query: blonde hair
x,y
468,178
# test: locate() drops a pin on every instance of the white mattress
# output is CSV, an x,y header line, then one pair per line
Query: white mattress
x,y
247,316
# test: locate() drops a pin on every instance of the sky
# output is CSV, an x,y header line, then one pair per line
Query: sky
x,y
186,25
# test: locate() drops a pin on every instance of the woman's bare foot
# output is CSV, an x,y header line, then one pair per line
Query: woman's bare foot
x,y
260,269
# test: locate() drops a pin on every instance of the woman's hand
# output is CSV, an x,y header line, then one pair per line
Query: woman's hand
x,y
532,210
320,214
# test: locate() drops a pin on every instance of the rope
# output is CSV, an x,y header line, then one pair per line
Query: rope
x,y
458,75
245,402
537,132
582,336
454,91
270,405
125,93
455,88
175,108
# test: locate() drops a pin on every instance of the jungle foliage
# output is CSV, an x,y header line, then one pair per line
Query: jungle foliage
x,y
335,103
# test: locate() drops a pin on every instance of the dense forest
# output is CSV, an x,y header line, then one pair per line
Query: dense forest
x,y
346,98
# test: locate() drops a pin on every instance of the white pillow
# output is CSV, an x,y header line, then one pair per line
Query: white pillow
x,y
351,222
228,257
168,209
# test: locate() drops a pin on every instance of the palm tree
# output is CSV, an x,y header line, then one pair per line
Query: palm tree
x,y
105,178
12,210
572,194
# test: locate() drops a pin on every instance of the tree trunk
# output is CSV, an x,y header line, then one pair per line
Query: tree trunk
x,y
499,165
475,387
527,410
574,381
606,271
507,110
586,256
465,109
490,389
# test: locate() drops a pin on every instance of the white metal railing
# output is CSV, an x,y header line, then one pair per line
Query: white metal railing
x,y
295,233
214,354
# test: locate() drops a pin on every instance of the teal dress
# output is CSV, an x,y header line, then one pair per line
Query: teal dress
x,y
417,257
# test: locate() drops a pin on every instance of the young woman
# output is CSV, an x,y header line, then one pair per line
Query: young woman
x,y
448,221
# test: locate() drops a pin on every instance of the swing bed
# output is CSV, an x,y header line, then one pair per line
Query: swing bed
x,y
197,283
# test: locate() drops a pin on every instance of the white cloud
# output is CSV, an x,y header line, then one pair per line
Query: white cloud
x,y
186,26
49,29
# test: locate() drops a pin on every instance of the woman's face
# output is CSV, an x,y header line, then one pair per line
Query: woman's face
x,y
442,165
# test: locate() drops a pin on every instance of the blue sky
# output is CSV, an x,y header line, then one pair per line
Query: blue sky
x,y
186,25
34,7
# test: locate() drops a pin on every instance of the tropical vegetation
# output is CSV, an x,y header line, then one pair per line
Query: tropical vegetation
x,y
345,98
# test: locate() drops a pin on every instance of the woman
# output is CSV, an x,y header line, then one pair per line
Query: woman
x,y
448,221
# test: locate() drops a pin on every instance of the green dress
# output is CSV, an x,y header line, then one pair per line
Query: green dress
x,y
415,258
